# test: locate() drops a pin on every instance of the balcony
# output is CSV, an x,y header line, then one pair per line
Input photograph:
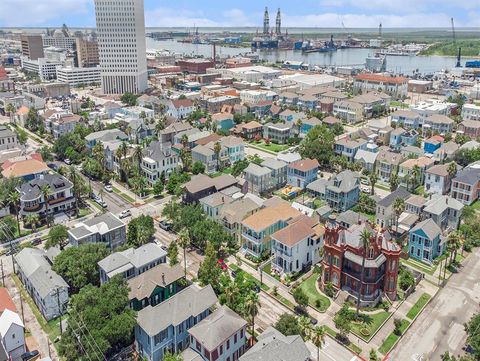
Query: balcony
x,y
251,238
34,208
357,275
367,298
282,252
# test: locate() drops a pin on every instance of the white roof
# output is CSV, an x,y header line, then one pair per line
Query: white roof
x,y
7,319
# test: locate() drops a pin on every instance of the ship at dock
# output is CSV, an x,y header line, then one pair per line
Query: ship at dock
x,y
327,46
271,39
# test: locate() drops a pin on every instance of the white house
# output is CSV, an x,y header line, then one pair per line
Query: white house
x,y
180,108
159,158
12,332
437,179
297,246
471,112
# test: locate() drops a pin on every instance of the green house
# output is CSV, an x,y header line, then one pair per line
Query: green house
x,y
155,285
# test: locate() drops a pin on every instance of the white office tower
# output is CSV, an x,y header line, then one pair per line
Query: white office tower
x,y
121,45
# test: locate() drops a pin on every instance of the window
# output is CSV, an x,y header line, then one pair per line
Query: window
x,y
235,339
228,344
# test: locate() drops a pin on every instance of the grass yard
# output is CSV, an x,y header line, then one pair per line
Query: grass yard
x,y
270,147
283,300
420,266
352,347
366,330
227,170
397,104
248,276
476,205
315,299
392,339
83,212
268,269
123,195
418,306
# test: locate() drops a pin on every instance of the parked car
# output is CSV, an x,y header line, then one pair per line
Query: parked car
x,y
67,161
37,241
101,202
234,273
124,214
365,189
165,225
108,188
29,355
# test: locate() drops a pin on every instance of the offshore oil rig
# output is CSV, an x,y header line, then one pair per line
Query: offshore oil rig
x,y
271,38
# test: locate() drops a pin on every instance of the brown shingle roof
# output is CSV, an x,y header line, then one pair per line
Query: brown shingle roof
x,y
304,164
22,168
270,215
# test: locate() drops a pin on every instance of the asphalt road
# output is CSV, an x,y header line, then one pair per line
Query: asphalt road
x,y
440,327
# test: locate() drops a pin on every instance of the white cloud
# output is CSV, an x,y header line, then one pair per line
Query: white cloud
x,y
40,12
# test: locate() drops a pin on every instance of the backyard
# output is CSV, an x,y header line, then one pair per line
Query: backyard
x,y
315,298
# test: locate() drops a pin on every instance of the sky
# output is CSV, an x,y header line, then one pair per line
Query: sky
x,y
214,13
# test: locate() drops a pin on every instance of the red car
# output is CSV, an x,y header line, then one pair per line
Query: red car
x,y
222,264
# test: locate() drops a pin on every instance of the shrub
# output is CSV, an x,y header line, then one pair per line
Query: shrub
x,y
365,331
329,290
398,326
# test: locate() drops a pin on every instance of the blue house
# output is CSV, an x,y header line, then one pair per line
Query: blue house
x,y
430,145
165,326
302,172
401,137
425,241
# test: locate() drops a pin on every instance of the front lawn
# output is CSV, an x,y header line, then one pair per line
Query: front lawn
x,y
420,266
418,306
392,339
315,299
271,147
365,330
248,276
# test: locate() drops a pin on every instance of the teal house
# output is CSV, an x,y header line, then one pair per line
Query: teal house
x,y
425,241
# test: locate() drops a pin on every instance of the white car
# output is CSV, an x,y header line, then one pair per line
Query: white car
x,y
67,161
124,214
108,188
365,189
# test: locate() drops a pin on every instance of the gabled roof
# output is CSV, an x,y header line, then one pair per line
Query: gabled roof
x,y
218,327
304,164
7,319
429,227
389,199
189,302
6,302
294,233
274,346
182,103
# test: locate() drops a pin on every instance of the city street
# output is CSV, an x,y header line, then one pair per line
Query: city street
x,y
439,327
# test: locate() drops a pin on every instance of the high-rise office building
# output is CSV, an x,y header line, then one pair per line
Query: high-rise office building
x,y
87,52
32,46
121,43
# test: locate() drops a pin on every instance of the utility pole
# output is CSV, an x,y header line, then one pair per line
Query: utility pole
x,y
59,310
3,274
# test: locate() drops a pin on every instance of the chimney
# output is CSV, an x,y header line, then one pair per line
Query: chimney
x,y
163,277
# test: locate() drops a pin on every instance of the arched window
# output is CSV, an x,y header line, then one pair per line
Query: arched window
x,y
335,279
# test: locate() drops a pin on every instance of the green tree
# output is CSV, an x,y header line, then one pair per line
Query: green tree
x,y
32,220
252,306
172,357
184,241
140,230
239,166
22,136
397,323
373,355
287,324
300,297
398,209
79,265
305,326
472,328
172,253
394,182
318,144
198,168
46,153
343,322
8,227
317,336
10,109
45,191
452,169
217,148
14,202
104,312
158,188
210,270
57,236
129,99
365,239
405,279
373,180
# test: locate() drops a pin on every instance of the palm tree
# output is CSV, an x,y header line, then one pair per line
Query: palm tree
x,y
454,242
393,182
217,148
13,201
305,326
138,155
159,126
416,172
365,238
10,109
398,208
74,178
32,220
373,180
184,141
184,241
452,169
45,191
317,336
252,305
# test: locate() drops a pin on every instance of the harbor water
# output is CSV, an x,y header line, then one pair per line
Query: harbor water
x,y
343,57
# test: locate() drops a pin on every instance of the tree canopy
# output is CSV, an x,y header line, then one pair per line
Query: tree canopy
x,y
105,313
140,231
288,325
78,265
57,236
318,144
